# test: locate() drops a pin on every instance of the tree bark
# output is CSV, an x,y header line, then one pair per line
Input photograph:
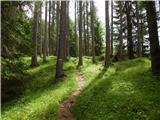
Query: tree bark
x,y
153,37
121,33
92,30
34,61
45,36
129,31
139,50
57,26
87,42
67,41
75,27
62,38
111,28
84,29
53,27
107,52
49,30
40,30
142,35
80,35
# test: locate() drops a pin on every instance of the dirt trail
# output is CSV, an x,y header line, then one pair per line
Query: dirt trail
x,y
64,112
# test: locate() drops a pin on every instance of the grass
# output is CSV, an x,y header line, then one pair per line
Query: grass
x,y
124,91
41,97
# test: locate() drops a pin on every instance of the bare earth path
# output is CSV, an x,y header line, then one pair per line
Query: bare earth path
x,y
64,112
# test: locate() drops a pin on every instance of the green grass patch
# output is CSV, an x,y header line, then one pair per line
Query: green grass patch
x,y
42,96
124,91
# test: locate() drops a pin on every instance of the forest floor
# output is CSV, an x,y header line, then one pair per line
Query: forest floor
x,y
64,113
124,91
41,97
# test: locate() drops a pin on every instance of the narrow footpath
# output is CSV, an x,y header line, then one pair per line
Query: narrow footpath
x,y
64,112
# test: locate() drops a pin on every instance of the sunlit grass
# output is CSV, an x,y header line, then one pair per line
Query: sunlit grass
x,y
42,96
124,91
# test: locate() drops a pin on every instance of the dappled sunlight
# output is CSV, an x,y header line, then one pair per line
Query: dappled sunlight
x,y
125,90
41,94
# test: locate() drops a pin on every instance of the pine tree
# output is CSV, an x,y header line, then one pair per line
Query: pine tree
x,y
153,37
80,35
92,30
62,38
107,52
34,61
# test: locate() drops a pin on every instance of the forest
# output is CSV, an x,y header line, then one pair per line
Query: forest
x,y
61,61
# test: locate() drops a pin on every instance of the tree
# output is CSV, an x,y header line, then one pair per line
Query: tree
x,y
111,28
45,36
121,31
57,25
49,30
67,30
34,61
87,30
119,28
139,50
40,30
99,33
153,37
84,28
107,52
129,30
16,41
66,44
92,30
62,38
53,28
80,35
75,26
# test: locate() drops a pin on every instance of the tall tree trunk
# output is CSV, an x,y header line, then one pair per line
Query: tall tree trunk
x,y
84,29
87,22
34,61
107,52
65,40
153,37
53,27
80,35
67,22
111,28
129,31
142,35
139,50
121,33
75,27
45,36
62,38
40,30
49,30
57,26
92,30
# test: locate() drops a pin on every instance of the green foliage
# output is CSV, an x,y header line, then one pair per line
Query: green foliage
x,y
9,73
99,33
16,30
41,97
72,39
16,33
124,91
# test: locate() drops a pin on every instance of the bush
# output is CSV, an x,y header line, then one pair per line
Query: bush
x,y
12,75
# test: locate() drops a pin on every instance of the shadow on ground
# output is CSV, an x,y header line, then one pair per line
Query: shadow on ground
x,y
126,90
